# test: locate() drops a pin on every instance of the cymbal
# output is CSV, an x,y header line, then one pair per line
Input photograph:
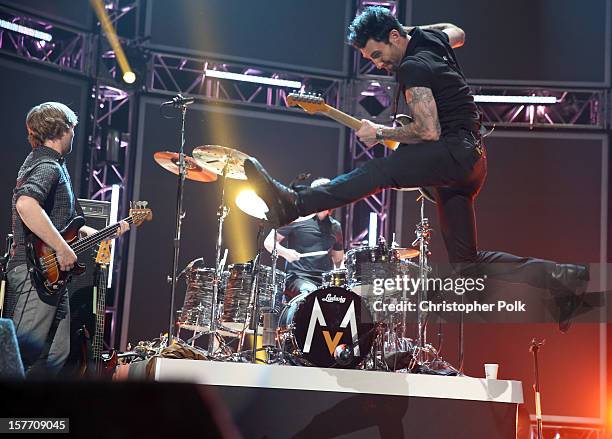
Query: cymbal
x,y
169,161
214,158
406,253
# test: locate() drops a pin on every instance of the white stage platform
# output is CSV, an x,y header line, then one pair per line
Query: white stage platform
x,y
290,401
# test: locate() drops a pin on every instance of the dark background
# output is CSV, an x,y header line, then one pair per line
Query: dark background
x,y
22,87
524,40
306,35
74,13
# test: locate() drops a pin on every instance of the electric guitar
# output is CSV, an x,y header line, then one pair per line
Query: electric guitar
x,y
314,104
43,261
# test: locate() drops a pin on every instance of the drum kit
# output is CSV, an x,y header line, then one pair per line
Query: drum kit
x,y
236,308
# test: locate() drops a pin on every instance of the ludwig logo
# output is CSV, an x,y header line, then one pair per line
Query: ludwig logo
x,y
317,317
330,299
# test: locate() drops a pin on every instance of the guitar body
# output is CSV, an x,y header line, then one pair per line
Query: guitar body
x,y
47,273
43,263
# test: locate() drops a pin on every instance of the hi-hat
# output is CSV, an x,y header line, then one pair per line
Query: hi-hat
x,y
169,160
215,157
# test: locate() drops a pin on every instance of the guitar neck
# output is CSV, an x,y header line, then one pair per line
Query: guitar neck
x,y
341,117
98,339
353,123
90,241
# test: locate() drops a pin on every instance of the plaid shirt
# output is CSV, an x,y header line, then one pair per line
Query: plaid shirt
x,y
44,177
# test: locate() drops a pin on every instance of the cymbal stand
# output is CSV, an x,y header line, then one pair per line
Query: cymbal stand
x,y
270,318
181,104
423,233
221,215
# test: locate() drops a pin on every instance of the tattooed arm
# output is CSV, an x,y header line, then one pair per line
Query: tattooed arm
x,y
424,128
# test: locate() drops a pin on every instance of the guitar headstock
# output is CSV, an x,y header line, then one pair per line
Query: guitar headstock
x,y
103,256
309,102
139,212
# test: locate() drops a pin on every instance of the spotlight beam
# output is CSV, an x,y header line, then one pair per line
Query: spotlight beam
x,y
111,35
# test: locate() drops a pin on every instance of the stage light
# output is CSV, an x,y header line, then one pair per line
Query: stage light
x,y
254,79
372,229
129,77
111,35
503,99
250,203
24,30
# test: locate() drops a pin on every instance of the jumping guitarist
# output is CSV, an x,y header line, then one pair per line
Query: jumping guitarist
x,y
44,203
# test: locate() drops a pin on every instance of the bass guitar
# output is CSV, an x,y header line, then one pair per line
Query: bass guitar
x,y
43,261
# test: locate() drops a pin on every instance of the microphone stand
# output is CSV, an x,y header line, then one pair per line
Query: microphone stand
x,y
180,103
534,348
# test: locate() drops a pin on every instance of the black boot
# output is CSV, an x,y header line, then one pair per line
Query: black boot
x,y
282,201
568,285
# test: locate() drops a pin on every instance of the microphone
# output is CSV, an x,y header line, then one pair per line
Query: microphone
x,y
179,101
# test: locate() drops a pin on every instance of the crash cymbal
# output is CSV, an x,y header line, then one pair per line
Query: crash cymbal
x,y
406,253
169,160
214,158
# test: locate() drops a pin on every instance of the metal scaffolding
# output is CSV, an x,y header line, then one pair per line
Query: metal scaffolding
x,y
68,49
171,74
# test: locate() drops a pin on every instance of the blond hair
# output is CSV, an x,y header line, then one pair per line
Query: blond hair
x,y
49,121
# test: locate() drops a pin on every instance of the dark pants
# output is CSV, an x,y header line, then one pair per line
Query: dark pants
x,y
456,168
42,325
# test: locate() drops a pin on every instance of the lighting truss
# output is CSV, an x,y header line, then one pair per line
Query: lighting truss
x,y
66,49
235,83
542,108
113,106
574,108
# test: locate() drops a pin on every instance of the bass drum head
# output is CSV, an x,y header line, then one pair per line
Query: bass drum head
x,y
316,325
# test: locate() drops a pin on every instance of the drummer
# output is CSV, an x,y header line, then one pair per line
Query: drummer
x,y
317,234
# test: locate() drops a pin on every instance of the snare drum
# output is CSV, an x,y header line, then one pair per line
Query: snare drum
x,y
329,327
237,293
335,278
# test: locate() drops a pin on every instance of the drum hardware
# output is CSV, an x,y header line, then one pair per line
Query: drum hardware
x,y
221,215
423,236
255,292
181,164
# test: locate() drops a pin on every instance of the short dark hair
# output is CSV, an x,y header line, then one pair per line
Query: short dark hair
x,y
374,22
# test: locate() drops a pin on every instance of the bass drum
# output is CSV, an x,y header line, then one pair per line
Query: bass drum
x,y
329,327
